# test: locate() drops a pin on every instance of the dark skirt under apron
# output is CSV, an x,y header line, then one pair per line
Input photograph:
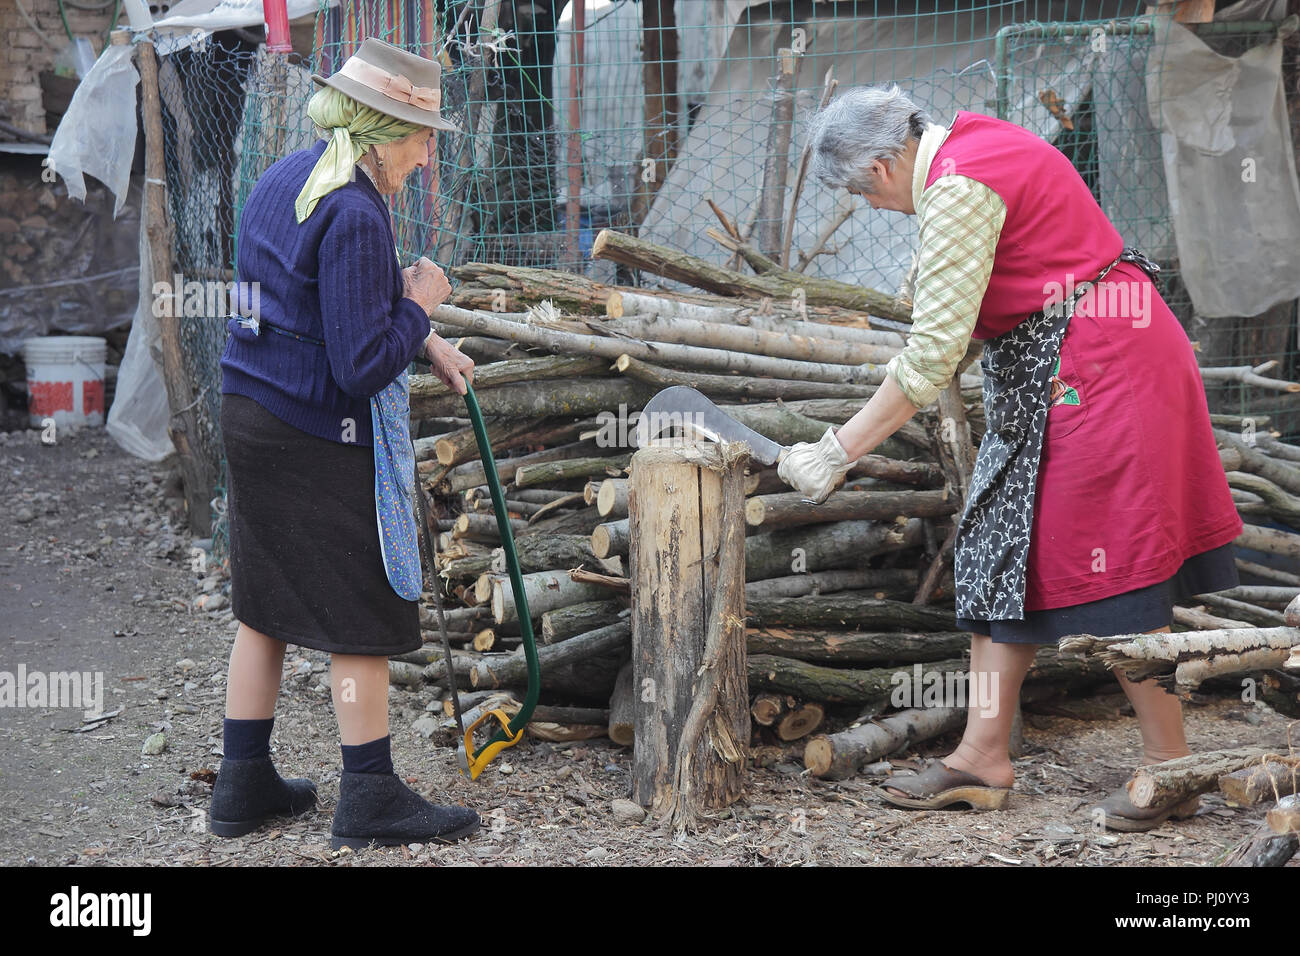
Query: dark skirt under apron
x,y
305,563
1132,612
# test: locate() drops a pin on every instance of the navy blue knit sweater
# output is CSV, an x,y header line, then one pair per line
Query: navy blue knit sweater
x,y
334,278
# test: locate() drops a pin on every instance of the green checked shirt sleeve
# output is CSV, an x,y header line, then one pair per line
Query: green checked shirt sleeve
x,y
961,220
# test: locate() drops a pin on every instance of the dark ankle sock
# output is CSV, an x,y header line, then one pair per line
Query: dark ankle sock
x,y
375,756
247,739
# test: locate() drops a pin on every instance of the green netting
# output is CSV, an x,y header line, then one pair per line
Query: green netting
x,y
558,145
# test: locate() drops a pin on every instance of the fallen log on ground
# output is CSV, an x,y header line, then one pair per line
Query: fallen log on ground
x,y
1175,781
841,755
1271,779
1264,848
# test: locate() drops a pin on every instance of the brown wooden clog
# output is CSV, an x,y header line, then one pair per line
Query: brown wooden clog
x,y
939,786
1119,813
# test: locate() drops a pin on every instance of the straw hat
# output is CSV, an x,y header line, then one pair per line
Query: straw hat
x,y
393,81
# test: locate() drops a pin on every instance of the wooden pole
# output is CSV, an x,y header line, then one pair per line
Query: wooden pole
x,y
776,168
468,151
688,632
659,71
573,206
196,471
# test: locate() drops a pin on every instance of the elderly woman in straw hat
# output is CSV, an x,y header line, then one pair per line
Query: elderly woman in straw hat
x,y
315,422
1097,499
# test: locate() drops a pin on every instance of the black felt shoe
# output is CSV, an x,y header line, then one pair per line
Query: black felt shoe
x,y
378,808
248,792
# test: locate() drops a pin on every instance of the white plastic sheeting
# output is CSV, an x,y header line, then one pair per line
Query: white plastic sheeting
x,y
194,19
139,416
1231,172
97,133
612,106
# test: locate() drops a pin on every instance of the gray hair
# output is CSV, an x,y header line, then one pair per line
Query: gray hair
x,y
860,126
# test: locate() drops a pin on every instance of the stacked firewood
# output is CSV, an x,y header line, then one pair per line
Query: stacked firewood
x,y
849,603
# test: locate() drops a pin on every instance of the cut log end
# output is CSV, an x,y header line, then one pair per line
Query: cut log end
x,y
611,497
818,755
498,602
800,722
444,451
614,305
766,708
1293,612
600,542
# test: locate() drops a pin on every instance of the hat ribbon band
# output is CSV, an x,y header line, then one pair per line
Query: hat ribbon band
x,y
393,85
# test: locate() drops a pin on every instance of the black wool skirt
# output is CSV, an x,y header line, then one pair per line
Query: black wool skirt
x,y
1132,612
305,564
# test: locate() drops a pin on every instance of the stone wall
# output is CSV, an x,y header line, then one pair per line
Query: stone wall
x,y
65,266
25,52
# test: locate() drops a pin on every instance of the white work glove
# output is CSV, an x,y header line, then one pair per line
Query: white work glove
x,y
815,469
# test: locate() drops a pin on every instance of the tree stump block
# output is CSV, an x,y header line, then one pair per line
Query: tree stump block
x,y
687,567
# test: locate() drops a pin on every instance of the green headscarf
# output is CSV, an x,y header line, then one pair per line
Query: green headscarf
x,y
353,130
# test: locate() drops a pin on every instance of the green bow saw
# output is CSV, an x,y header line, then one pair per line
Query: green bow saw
x,y
511,729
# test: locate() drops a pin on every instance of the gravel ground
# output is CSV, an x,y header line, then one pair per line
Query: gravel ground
x,y
98,576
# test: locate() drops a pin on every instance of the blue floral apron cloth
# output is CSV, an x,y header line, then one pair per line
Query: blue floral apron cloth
x,y
395,490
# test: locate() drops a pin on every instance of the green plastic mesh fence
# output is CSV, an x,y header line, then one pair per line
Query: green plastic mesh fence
x,y
636,114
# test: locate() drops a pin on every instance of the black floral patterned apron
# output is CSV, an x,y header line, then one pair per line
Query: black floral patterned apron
x,y
992,545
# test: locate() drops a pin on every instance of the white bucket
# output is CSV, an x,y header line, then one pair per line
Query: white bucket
x,y
65,379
